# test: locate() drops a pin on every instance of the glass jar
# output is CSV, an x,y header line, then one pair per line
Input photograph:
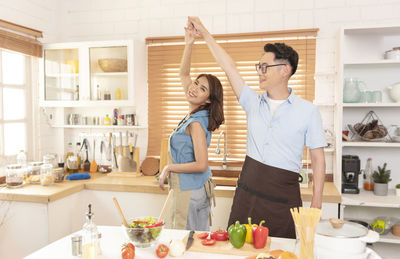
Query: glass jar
x,y
46,174
58,174
15,175
50,159
33,172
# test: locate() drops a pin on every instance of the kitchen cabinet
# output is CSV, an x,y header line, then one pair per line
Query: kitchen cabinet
x,y
84,74
362,56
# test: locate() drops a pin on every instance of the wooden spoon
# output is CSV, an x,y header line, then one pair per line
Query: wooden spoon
x,y
171,192
120,212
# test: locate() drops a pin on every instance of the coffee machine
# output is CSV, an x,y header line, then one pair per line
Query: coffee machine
x,y
350,172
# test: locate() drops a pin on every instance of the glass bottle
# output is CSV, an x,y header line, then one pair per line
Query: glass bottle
x,y
21,158
368,181
107,120
76,97
70,152
90,237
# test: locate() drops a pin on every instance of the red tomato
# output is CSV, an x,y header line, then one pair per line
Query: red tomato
x,y
220,235
162,251
203,235
208,242
128,251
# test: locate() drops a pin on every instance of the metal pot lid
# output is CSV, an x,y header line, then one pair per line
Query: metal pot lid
x,y
349,230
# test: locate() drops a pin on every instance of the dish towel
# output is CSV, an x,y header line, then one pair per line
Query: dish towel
x,y
78,176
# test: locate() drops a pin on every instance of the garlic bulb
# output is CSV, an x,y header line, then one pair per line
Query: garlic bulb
x,y
176,248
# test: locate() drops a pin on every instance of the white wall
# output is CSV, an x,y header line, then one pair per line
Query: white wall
x,y
127,19
77,20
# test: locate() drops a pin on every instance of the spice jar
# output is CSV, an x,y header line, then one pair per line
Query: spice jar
x,y
33,172
58,174
15,175
46,174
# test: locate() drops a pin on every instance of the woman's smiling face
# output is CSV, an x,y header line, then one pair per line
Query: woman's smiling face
x,y
199,91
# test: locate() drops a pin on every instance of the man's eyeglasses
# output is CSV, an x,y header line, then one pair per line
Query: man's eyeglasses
x,y
263,67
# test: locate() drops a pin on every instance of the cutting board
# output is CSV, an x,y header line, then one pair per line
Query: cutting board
x,y
225,247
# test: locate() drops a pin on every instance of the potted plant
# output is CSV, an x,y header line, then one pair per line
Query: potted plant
x,y
398,189
381,180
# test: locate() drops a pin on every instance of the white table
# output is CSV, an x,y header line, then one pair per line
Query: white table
x,y
114,237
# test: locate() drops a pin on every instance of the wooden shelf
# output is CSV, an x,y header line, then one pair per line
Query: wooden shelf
x,y
370,144
98,127
370,105
369,199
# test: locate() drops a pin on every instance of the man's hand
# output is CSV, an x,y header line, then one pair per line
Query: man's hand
x,y
195,21
190,33
163,176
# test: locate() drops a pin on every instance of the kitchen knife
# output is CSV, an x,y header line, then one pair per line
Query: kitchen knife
x,y
190,240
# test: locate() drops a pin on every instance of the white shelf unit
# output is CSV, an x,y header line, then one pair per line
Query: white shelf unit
x,y
361,56
370,144
68,104
369,199
371,105
98,127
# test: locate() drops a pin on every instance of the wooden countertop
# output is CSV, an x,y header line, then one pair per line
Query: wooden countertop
x,y
145,184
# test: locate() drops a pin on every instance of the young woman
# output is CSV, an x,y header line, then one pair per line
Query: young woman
x,y
187,170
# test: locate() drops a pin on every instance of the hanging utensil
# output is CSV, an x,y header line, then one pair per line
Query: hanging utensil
x,y
93,165
86,164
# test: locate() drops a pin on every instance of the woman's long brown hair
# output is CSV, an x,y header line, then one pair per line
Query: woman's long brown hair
x,y
215,106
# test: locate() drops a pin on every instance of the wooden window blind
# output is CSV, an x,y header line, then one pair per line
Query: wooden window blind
x,y
167,103
20,39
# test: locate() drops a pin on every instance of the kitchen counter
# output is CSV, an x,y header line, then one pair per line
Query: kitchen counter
x,y
113,237
143,184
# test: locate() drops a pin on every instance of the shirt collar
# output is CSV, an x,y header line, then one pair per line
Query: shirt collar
x,y
290,99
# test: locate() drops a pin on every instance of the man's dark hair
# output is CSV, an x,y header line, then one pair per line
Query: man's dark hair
x,y
285,52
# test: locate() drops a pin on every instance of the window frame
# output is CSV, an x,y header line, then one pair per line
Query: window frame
x,y
27,87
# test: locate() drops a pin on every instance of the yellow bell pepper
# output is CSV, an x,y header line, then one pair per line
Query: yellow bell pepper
x,y
249,233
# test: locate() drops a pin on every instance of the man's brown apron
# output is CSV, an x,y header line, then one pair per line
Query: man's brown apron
x,y
266,193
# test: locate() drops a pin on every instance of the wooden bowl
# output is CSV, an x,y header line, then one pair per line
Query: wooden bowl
x,y
336,223
113,64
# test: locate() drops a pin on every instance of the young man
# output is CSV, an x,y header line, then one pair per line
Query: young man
x,y
279,125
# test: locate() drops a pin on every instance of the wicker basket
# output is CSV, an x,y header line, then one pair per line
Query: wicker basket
x,y
113,64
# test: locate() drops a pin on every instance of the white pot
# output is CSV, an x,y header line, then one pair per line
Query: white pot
x,y
350,241
394,92
397,191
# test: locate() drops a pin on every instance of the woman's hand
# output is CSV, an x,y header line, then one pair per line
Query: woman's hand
x,y
190,34
163,176
198,26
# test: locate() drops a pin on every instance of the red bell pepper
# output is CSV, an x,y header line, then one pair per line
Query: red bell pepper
x,y
260,235
158,224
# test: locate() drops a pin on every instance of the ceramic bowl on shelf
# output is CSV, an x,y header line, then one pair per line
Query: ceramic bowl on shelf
x,y
113,64
394,92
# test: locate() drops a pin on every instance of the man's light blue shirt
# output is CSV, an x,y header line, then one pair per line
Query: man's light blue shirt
x,y
279,140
